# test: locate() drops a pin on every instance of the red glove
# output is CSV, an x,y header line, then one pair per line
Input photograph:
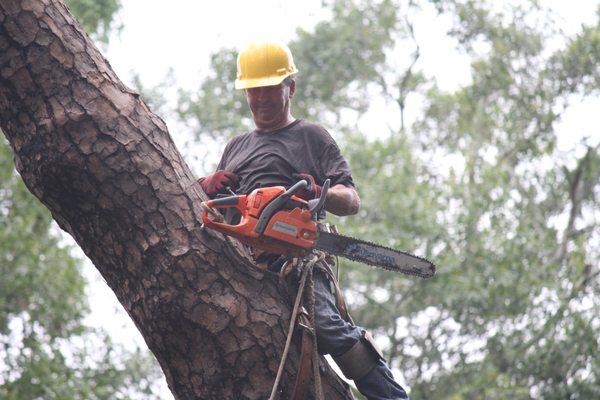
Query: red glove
x,y
217,182
312,191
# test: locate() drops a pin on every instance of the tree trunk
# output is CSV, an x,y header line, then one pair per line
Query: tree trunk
x,y
107,169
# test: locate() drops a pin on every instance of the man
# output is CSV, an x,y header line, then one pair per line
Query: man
x,y
279,152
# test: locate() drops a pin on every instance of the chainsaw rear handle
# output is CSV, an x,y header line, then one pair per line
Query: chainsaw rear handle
x,y
276,205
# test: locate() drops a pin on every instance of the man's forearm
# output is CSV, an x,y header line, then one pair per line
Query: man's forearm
x,y
342,200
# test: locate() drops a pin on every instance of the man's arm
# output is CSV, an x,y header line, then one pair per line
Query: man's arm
x,y
342,200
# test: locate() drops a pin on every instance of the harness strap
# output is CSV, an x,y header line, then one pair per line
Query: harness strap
x,y
306,350
310,303
339,298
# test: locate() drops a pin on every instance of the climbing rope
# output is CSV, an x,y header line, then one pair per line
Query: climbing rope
x,y
307,270
310,305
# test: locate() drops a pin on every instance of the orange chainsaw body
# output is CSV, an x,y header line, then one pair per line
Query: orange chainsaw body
x,y
290,230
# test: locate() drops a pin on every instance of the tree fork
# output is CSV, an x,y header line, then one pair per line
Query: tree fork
x,y
105,166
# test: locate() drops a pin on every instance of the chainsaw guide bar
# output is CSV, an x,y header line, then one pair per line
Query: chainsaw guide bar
x,y
374,254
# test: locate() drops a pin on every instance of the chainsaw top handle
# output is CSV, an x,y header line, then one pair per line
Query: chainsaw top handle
x,y
315,205
276,205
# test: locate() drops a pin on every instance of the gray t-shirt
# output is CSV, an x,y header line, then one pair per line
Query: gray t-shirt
x,y
262,159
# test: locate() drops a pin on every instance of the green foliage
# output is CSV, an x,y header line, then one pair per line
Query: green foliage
x,y
511,310
96,16
348,51
576,67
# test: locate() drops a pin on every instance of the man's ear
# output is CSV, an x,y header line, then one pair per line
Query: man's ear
x,y
292,88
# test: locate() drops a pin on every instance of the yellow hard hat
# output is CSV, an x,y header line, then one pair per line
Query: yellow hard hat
x,y
264,64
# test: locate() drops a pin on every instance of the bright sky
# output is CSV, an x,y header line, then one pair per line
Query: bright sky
x,y
179,34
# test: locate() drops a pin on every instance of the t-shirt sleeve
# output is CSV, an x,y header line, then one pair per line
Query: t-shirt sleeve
x,y
334,166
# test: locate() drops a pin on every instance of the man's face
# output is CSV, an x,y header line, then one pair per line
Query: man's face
x,y
270,105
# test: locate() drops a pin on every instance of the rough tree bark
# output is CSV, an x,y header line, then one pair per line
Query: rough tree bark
x,y
107,169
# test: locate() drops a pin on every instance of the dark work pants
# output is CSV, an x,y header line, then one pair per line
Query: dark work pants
x,y
336,336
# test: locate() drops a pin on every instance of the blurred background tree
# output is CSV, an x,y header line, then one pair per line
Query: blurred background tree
x,y
474,181
46,349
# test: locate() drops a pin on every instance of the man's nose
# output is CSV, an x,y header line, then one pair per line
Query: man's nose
x,y
262,92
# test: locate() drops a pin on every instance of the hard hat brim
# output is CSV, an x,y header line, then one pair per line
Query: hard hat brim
x,y
259,82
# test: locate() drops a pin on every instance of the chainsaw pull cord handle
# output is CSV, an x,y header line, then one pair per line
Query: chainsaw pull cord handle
x,y
276,205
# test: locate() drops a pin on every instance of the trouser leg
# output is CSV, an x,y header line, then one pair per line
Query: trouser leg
x,y
340,339
334,335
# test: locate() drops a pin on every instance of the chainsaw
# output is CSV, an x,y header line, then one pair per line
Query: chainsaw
x,y
275,220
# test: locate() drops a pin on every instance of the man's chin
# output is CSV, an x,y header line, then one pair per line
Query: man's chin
x,y
266,124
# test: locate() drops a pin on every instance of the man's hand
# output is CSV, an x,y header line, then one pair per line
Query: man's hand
x,y
342,200
312,191
217,182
